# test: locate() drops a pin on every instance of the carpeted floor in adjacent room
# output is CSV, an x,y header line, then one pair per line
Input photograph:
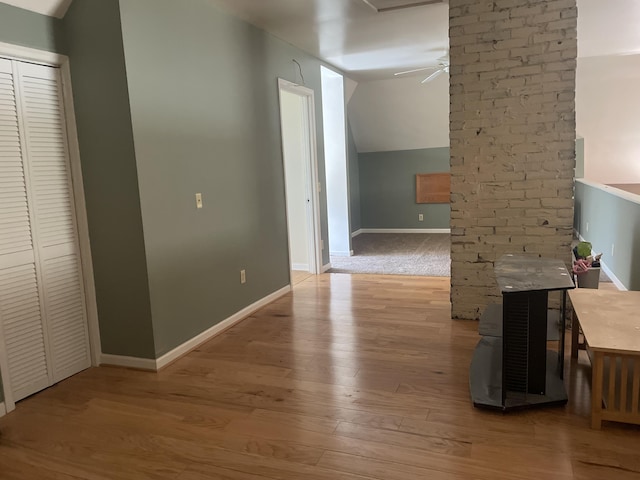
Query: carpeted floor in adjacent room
x,y
425,254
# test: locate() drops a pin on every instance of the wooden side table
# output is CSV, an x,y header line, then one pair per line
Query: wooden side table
x,y
610,323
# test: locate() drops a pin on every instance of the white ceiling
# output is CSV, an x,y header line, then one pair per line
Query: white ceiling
x,y
351,35
368,45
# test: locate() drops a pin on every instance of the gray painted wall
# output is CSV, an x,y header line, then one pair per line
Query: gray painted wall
x,y
96,54
612,220
354,182
388,188
204,105
28,29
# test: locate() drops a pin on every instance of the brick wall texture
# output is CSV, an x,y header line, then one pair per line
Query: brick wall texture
x,y
512,131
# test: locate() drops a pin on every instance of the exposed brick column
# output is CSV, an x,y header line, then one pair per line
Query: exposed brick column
x,y
512,124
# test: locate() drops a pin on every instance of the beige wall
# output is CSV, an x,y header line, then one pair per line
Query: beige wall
x,y
608,117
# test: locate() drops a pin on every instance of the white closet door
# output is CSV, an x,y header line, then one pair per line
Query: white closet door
x,y
52,204
21,318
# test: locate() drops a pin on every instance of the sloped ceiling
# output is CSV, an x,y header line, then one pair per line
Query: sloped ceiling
x,y
400,114
51,8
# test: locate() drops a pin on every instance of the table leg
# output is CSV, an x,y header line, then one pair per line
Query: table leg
x,y
596,390
563,330
575,335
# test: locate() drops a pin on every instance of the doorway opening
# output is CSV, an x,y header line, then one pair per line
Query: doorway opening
x,y
335,157
297,121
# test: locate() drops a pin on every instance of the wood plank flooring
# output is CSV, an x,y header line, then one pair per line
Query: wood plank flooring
x,y
349,377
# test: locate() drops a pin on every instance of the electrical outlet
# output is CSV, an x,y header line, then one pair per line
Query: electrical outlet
x,y
198,200
420,217
612,249
243,276
587,226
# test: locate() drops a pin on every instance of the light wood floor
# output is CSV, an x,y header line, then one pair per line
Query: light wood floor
x,y
349,377
298,276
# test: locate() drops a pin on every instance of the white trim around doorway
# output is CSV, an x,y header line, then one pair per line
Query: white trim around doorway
x,y
313,182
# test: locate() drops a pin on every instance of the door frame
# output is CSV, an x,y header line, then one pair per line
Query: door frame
x,y
312,186
19,53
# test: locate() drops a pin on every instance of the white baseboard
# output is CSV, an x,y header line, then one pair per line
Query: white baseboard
x,y
326,267
186,347
300,266
356,233
405,230
613,278
129,362
342,254
3,409
217,329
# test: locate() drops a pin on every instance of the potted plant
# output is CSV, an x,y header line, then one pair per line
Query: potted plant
x,y
586,266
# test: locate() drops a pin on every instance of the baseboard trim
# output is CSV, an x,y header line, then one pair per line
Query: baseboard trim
x,y
129,362
616,281
405,230
3,409
326,267
356,233
300,266
186,347
217,329
342,254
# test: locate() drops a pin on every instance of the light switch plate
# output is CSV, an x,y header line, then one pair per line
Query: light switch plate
x,y
198,200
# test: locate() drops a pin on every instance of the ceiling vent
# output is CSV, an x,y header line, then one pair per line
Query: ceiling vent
x,y
387,5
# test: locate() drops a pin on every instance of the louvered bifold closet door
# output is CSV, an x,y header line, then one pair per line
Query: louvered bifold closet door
x,y
52,204
23,340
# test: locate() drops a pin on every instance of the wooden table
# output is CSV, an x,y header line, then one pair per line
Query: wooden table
x,y
610,323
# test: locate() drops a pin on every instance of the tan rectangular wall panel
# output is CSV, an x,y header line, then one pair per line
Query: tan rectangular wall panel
x,y
433,187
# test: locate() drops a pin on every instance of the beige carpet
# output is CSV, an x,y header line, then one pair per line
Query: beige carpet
x,y
425,254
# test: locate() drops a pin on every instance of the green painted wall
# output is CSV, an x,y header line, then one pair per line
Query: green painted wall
x,y
94,40
612,221
28,29
354,182
388,188
205,112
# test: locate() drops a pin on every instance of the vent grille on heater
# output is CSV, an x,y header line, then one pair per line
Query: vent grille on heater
x,y
387,5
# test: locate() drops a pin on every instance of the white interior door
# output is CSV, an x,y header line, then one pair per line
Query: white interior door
x,y
56,238
297,119
21,317
43,322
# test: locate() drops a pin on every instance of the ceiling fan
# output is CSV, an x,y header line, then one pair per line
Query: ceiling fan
x,y
439,69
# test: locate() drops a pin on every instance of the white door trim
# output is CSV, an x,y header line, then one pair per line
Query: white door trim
x,y
16,52
313,184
